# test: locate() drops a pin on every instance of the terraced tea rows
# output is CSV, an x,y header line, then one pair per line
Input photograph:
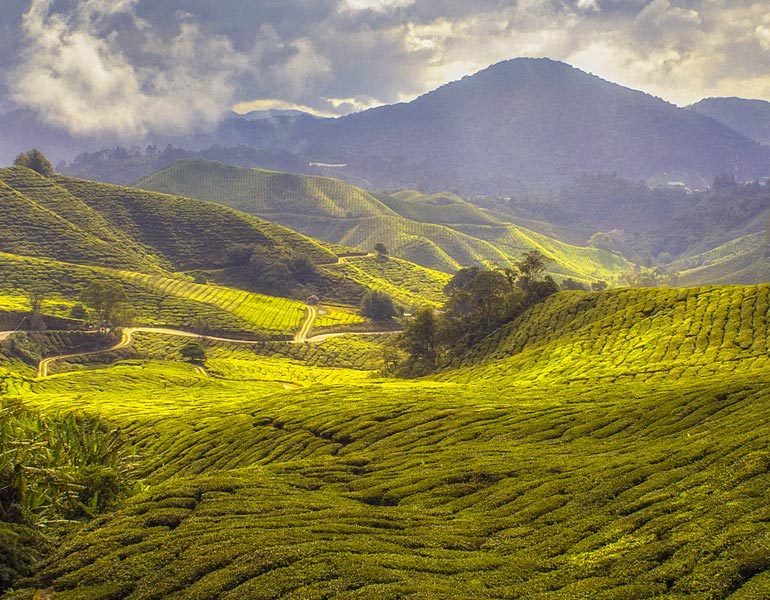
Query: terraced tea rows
x,y
634,335
265,312
441,232
408,284
497,481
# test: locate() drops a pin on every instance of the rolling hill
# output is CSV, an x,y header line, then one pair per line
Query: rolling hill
x,y
608,445
442,232
169,253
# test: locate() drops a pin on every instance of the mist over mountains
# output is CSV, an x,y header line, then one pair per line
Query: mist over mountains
x,y
517,123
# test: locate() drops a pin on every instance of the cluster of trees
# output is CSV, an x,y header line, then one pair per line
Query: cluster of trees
x,y
479,301
270,270
35,160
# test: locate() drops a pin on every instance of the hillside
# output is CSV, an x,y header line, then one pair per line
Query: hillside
x,y
749,117
604,446
83,221
441,232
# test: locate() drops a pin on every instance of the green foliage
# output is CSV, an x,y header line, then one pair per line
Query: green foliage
x,y
60,467
35,160
378,306
419,341
78,312
479,302
193,352
603,445
106,298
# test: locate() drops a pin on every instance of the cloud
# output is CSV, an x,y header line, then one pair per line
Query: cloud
x,y
375,5
74,74
136,66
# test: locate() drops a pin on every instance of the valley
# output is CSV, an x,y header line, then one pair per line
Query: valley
x,y
281,339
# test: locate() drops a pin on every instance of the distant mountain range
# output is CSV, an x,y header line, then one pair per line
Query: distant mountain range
x,y
749,117
523,122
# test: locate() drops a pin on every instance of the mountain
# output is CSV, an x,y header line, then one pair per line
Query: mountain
x,y
749,117
442,231
529,120
517,124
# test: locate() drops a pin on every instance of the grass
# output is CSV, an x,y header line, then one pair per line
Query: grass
x,y
552,464
118,227
160,300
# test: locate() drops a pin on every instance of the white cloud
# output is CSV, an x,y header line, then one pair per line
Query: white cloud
x,y
74,74
376,5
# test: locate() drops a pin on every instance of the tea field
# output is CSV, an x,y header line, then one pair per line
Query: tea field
x,y
441,232
609,446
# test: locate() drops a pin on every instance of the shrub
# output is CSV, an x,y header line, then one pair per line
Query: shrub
x,y
193,352
378,306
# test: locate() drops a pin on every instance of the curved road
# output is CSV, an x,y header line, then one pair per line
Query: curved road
x,y
128,336
42,368
312,313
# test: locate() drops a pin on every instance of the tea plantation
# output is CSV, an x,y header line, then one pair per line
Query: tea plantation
x,y
605,445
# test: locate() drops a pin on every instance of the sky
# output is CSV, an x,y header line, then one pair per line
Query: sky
x,y
135,67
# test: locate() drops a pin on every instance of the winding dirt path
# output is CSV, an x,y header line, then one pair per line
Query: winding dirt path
x,y
42,367
127,337
312,313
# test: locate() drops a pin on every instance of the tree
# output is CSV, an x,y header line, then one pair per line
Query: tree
x,y
378,306
419,339
106,298
380,249
193,352
78,312
35,160
36,321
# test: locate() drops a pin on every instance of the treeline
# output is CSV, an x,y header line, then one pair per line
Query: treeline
x,y
479,300
124,166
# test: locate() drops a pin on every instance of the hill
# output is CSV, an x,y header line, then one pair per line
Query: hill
x,y
749,117
605,446
96,223
441,231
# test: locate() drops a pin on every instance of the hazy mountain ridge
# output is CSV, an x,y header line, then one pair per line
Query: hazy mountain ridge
x,y
519,122
749,117
534,120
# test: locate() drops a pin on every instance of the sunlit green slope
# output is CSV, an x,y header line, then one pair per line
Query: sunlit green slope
x,y
407,283
441,232
742,260
107,225
155,300
603,446
631,335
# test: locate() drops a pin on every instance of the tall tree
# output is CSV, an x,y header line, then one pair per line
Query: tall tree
x,y
419,339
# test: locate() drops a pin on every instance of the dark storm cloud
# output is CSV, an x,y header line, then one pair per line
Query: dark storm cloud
x,y
134,66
